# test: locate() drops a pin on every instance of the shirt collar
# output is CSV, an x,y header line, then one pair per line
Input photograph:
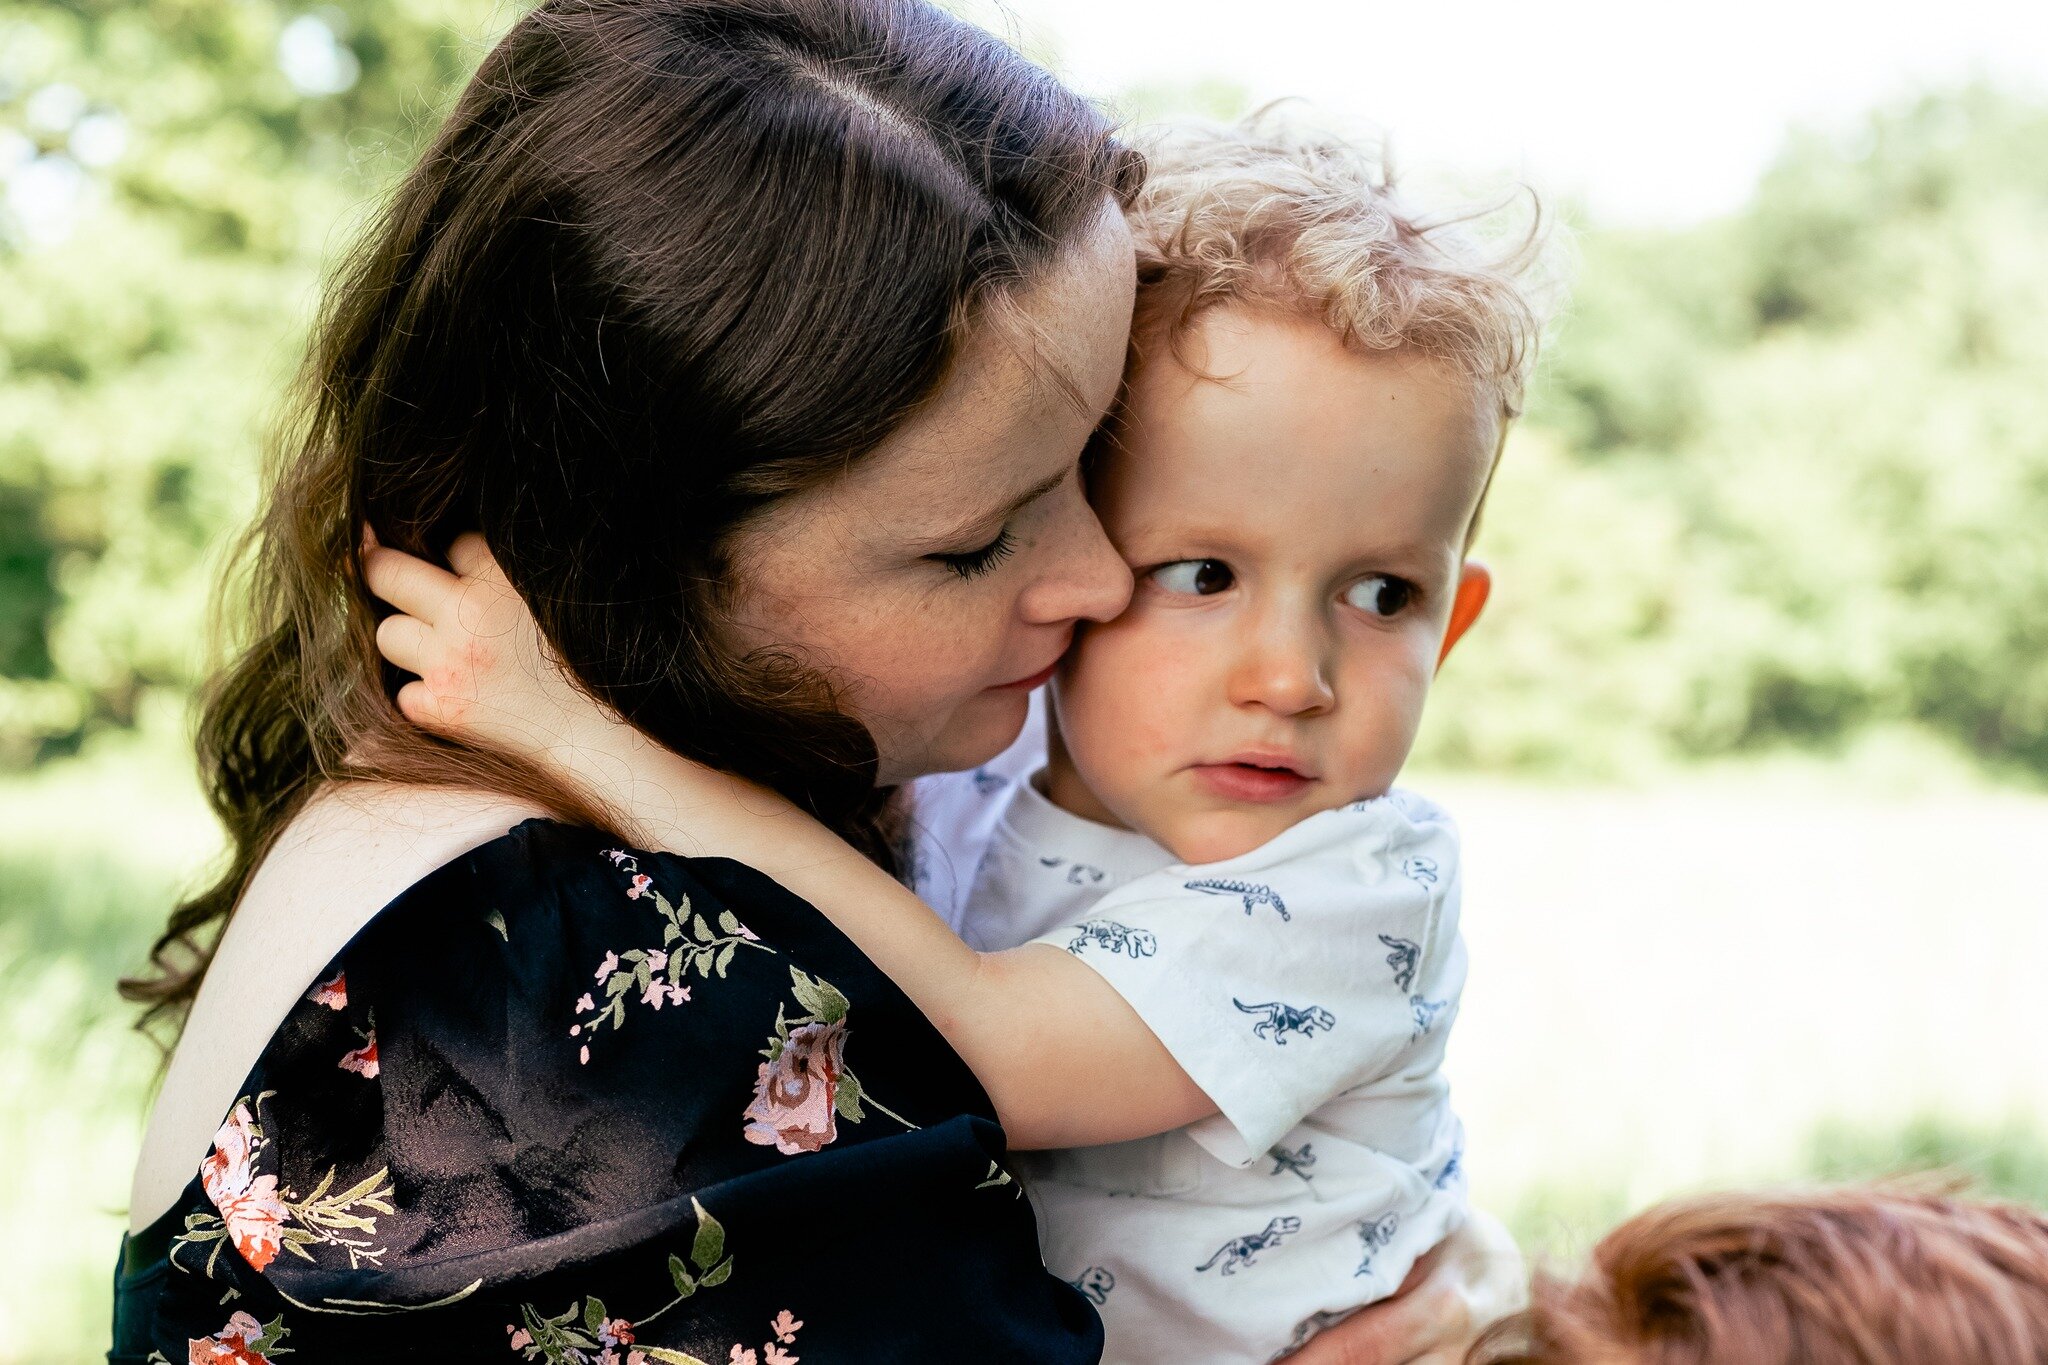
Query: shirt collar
x,y
1040,826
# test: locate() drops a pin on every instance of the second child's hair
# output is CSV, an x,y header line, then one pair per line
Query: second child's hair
x,y
1855,1276
1273,212
667,262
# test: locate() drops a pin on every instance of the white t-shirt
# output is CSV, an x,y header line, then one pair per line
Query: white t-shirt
x,y
1307,987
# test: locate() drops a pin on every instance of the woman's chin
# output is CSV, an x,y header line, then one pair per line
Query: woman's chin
x,y
975,732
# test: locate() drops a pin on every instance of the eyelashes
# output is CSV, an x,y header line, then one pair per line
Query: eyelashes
x,y
974,563
1193,577
1383,595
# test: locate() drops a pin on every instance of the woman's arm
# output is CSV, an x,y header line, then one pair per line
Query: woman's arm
x,y
1066,1061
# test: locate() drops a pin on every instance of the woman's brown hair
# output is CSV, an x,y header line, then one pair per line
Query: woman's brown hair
x,y
1857,1276
666,262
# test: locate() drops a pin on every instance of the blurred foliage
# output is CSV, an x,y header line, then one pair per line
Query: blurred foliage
x,y
1785,475
2007,1161
1557,1225
174,176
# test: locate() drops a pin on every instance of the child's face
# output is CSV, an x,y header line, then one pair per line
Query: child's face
x,y
1297,531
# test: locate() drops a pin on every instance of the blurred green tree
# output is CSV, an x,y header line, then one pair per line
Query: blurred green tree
x,y
172,175
1787,473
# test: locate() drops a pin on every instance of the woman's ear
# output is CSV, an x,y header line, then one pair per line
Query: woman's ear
x,y
1475,585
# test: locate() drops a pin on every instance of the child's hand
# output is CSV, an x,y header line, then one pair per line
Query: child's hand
x,y
484,673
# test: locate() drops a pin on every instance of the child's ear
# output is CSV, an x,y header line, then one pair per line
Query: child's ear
x,y
1475,585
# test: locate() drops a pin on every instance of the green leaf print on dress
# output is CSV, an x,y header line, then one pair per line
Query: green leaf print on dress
x,y
586,1333
653,976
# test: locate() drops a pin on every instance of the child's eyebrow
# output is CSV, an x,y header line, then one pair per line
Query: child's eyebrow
x,y
1418,557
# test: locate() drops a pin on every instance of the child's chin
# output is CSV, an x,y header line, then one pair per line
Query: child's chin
x,y
1215,836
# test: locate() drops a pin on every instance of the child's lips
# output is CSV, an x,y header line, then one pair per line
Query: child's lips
x,y
1251,782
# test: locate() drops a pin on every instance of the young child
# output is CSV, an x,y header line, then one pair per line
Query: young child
x,y
1316,402
1222,954
1855,1276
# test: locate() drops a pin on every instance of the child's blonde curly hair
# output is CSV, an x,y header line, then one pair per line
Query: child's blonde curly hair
x,y
1272,212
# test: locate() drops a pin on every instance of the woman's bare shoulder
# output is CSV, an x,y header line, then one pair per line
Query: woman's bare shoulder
x,y
349,853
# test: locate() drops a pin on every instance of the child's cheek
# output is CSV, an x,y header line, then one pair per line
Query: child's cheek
x,y
1133,678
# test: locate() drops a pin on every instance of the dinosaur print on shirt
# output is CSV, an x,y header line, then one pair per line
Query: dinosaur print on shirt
x,y
1280,1020
1116,938
1254,894
1240,1251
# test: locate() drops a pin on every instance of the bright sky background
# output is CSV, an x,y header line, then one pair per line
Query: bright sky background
x,y
1654,111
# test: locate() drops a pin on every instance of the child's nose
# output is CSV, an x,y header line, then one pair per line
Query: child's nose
x,y
1284,671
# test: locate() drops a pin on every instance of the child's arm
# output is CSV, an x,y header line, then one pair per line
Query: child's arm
x,y
1064,1059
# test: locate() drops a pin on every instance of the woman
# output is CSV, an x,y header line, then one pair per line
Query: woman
x,y
760,339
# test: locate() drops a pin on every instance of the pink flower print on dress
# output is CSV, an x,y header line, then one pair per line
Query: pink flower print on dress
x,y
363,1061
794,1095
332,993
641,881
775,1355
234,1344
742,1355
786,1326
584,1005
606,967
659,992
248,1203
521,1338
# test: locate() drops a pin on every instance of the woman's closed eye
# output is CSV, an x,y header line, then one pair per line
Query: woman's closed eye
x,y
973,563
1193,577
1382,595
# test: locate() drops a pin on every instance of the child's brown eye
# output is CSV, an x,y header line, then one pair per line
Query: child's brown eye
x,y
1197,577
1380,594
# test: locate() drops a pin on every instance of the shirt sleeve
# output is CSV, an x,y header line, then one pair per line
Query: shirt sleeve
x,y
1313,965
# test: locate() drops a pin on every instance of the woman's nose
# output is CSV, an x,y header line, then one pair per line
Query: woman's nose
x,y
1084,578
1283,668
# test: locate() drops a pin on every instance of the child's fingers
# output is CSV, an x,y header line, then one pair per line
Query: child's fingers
x,y
419,704
414,586
404,641
471,557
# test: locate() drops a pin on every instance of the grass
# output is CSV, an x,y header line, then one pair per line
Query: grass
x,y
1558,1223
1720,978
91,854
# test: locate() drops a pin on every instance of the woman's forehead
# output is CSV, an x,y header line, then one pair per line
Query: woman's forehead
x,y
1030,383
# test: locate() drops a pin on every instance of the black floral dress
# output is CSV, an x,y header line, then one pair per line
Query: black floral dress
x,y
565,1102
